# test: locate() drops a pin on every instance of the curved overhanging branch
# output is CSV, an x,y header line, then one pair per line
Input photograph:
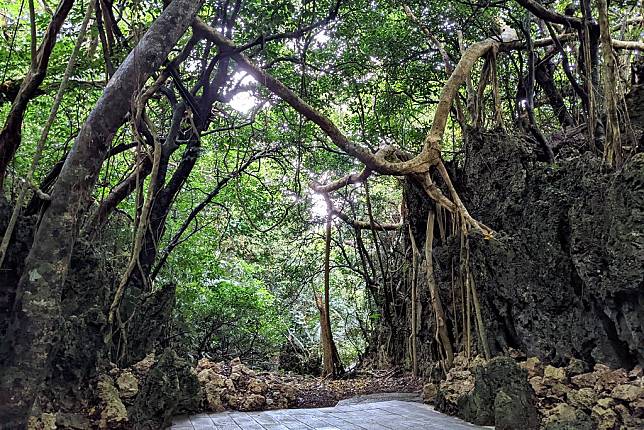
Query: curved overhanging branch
x,y
566,37
325,190
456,79
350,179
628,44
430,154
277,87
546,14
356,177
378,162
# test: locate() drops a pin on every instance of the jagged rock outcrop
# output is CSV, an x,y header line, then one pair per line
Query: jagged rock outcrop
x,y
144,396
495,393
14,259
530,395
169,388
562,278
565,277
82,355
573,398
233,385
113,413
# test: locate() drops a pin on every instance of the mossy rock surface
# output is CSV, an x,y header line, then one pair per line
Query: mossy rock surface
x,y
170,388
501,397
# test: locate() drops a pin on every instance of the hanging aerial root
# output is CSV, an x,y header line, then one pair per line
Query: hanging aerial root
x,y
487,232
469,286
441,326
142,226
414,305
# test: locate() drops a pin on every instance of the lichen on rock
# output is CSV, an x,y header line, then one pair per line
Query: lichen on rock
x,y
234,385
127,384
170,388
494,393
113,413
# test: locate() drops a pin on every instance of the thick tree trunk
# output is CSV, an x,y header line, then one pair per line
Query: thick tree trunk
x,y
33,329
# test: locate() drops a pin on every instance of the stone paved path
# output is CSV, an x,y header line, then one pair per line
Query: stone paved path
x,y
386,415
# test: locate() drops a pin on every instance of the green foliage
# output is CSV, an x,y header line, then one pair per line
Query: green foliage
x,y
228,313
250,262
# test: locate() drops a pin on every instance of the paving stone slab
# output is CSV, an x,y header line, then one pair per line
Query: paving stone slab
x,y
377,415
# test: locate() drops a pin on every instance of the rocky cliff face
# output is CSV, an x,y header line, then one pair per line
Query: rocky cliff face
x,y
14,260
567,277
82,354
564,276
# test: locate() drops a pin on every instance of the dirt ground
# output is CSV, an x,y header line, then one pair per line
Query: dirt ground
x,y
318,392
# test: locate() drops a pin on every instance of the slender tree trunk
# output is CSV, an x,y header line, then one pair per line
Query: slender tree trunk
x,y
479,319
136,335
118,194
11,132
331,361
613,143
42,140
589,55
33,330
544,77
